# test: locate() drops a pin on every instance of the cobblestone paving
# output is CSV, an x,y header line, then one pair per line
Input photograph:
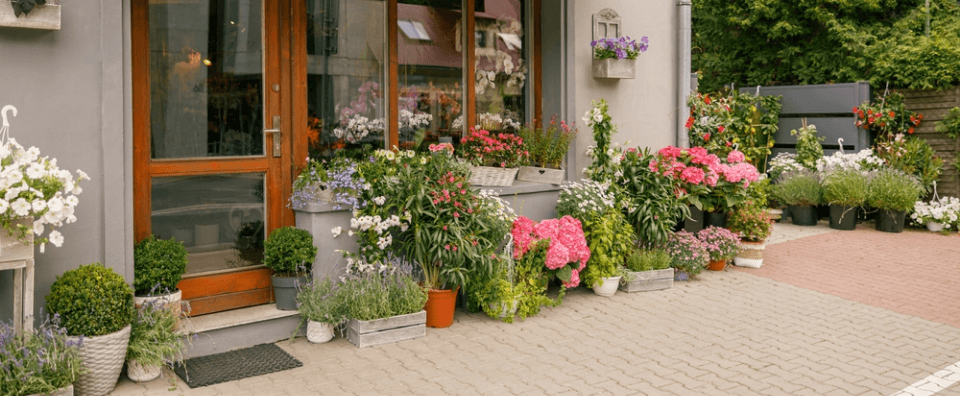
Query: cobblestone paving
x,y
731,333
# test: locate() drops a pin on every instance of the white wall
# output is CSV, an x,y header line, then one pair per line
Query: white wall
x,y
643,109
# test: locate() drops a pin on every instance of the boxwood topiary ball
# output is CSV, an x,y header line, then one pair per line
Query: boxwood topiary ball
x,y
287,249
158,265
92,301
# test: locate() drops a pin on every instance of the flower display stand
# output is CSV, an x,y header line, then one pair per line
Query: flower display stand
x,y
18,256
365,333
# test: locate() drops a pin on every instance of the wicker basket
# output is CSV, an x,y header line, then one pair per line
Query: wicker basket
x,y
541,175
751,255
103,357
492,176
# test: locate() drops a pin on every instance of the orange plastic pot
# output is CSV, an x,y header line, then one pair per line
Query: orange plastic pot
x,y
440,307
717,265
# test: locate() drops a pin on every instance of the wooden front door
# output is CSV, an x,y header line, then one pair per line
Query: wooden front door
x,y
213,139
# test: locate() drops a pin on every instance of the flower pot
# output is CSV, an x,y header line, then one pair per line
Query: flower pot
x,y
784,215
823,211
103,358
843,217
695,223
717,265
319,332
890,220
440,307
140,373
750,255
615,68
715,219
540,175
647,280
505,310
364,333
934,226
803,215
492,176
608,287
65,391
775,214
171,300
285,290
681,276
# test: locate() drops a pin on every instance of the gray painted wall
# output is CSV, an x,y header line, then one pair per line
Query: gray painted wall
x,y
68,86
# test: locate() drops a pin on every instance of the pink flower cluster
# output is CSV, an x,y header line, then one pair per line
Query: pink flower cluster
x,y
482,148
693,166
441,147
737,169
567,243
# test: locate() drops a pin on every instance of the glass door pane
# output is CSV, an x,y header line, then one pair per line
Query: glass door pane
x,y
501,67
206,75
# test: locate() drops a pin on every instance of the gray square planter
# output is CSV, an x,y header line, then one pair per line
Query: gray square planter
x,y
44,17
615,68
647,281
364,333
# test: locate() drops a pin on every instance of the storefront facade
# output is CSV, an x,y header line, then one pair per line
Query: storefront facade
x,y
192,116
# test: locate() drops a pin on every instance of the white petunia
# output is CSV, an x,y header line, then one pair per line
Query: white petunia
x,y
38,227
21,207
336,231
4,205
56,238
55,204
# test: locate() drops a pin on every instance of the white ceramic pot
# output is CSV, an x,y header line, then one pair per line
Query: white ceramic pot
x,y
140,373
162,299
934,226
608,288
318,332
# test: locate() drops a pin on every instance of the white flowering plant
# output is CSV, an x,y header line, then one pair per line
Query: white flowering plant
x,y
34,186
944,211
359,127
784,163
864,160
581,198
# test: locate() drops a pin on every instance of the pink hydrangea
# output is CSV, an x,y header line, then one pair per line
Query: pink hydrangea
x,y
567,242
574,280
735,157
693,175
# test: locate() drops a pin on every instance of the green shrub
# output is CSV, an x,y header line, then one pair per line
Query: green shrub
x,y
648,260
92,301
158,265
845,187
319,302
892,189
798,188
288,251
950,125
610,238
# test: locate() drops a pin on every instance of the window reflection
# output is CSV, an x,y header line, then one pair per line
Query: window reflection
x,y
501,67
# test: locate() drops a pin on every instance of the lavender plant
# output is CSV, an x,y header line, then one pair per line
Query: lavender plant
x,y
39,362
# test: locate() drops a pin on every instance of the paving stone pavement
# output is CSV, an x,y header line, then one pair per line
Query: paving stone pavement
x,y
730,333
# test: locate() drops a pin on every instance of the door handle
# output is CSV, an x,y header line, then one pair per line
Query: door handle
x,y
276,137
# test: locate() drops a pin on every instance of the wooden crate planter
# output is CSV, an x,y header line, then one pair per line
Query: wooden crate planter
x,y
365,333
43,17
647,281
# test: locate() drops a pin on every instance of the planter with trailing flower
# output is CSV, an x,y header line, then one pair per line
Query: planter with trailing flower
x,y
893,193
942,214
753,224
721,244
155,341
494,158
647,270
616,58
48,362
548,147
290,253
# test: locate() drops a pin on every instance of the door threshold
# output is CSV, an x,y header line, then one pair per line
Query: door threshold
x,y
235,317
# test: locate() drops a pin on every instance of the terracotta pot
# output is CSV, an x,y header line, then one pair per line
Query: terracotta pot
x,y
717,265
440,307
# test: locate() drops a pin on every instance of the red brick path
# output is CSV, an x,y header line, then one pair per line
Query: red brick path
x,y
915,272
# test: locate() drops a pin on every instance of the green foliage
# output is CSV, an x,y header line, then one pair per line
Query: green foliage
x,y
154,339
610,238
950,125
648,260
370,295
751,221
37,362
91,300
798,188
548,145
289,251
892,189
913,156
651,205
845,187
724,121
603,169
320,302
784,42
520,292
809,150
158,265
760,192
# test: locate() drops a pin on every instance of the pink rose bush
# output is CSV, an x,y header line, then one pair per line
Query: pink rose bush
x,y
567,252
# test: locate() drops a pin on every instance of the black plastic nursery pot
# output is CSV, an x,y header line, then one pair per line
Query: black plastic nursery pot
x,y
715,219
785,215
823,212
890,220
804,215
695,223
843,217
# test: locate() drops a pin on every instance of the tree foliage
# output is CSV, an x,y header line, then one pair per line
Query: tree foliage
x,y
782,42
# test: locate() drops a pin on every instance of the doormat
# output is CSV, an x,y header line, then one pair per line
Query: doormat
x,y
234,365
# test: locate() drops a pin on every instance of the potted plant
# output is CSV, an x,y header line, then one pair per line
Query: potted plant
x,y
567,253
687,255
801,192
728,180
495,158
158,266
649,199
693,172
753,224
337,182
322,308
154,340
647,270
548,147
721,244
44,362
610,239
31,14
383,303
892,193
913,156
845,191
939,215
290,253
96,304
616,57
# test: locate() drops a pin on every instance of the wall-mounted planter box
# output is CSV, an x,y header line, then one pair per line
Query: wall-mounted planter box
x,y
44,17
615,68
364,333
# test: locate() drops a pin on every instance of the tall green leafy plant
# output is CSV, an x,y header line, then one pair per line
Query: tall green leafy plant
x,y
913,156
604,167
809,150
650,202
610,238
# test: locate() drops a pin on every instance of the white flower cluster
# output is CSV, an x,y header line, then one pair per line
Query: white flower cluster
x,y
491,199
784,163
379,225
587,195
592,116
31,186
414,121
391,156
490,121
863,160
358,127
944,211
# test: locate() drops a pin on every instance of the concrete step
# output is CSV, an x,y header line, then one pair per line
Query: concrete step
x,y
240,328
